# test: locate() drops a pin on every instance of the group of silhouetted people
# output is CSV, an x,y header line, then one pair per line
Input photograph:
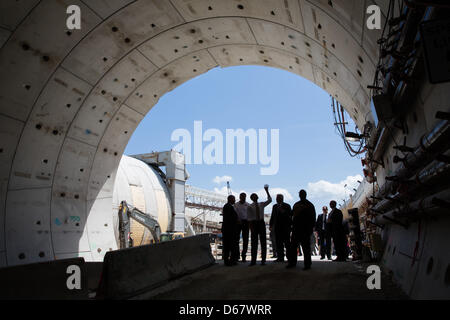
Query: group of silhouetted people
x,y
291,228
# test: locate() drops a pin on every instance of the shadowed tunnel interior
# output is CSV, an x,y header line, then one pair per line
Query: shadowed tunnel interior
x,y
71,99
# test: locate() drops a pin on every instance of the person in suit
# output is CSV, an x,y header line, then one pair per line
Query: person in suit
x,y
258,226
280,225
241,208
230,247
323,233
303,221
337,231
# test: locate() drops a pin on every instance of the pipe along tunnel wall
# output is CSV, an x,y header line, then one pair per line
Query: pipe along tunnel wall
x,y
70,99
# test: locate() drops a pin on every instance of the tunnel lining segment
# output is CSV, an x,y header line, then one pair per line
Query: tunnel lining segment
x,y
77,147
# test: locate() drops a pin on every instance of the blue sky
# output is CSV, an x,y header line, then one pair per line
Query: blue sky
x,y
311,156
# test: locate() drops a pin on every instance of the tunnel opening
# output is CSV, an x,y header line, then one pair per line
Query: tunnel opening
x,y
233,99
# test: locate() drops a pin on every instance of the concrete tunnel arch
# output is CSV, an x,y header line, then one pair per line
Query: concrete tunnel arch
x,y
70,100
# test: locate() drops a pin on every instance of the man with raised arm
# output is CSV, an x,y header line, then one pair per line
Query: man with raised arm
x,y
255,217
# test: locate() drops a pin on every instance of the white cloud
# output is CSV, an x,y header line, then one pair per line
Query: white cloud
x,y
222,190
323,189
222,179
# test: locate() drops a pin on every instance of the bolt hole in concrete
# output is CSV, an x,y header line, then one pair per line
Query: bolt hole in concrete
x,y
240,7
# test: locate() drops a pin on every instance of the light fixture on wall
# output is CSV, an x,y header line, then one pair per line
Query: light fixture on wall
x,y
352,136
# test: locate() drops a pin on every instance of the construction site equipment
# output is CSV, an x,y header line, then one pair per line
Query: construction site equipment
x,y
125,213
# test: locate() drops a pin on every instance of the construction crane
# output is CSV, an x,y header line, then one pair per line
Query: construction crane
x,y
125,213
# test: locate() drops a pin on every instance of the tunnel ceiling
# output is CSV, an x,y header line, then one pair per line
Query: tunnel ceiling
x,y
70,100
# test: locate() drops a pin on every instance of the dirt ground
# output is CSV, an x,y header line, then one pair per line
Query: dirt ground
x,y
325,280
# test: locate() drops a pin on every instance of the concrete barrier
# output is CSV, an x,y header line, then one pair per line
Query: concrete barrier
x,y
45,281
129,272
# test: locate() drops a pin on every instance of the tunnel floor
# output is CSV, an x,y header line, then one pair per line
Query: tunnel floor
x,y
325,280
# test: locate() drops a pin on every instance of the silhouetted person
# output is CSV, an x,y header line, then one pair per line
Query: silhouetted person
x,y
230,253
337,231
241,208
303,220
323,230
346,228
274,243
258,226
313,244
280,225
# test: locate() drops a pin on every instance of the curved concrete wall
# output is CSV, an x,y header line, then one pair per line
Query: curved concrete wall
x,y
142,187
70,100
